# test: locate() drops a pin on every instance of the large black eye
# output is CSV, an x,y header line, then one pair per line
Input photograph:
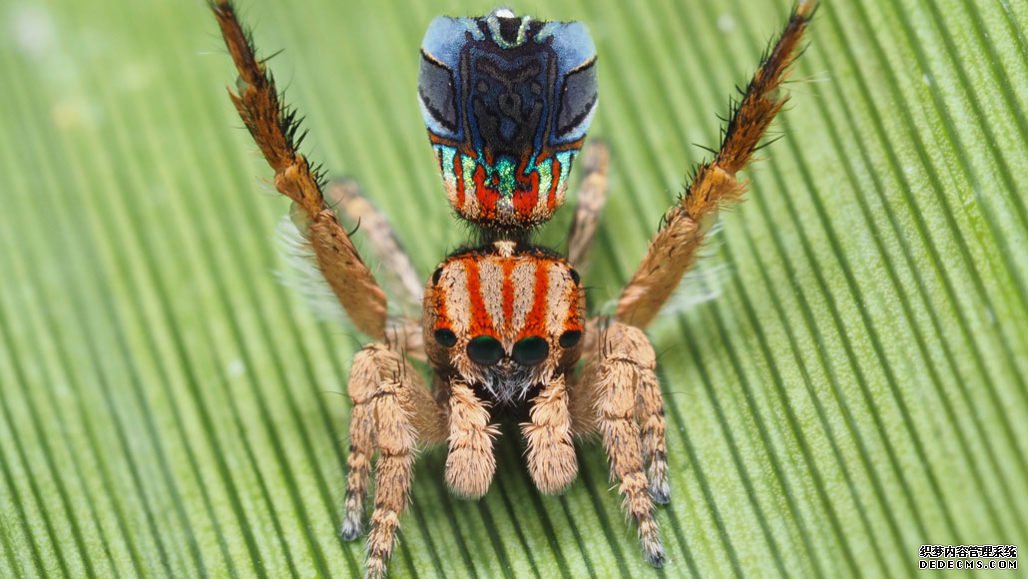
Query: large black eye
x,y
530,351
445,337
569,339
485,350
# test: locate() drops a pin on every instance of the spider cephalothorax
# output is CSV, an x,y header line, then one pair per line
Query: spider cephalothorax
x,y
507,101
506,317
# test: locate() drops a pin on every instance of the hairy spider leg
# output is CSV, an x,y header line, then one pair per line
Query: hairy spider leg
x,y
274,127
391,409
618,396
591,197
392,412
403,329
360,214
685,225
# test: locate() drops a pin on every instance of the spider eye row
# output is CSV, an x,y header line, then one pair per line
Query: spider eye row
x,y
487,350
446,338
569,339
530,351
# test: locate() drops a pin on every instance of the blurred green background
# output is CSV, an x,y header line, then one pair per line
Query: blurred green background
x,y
859,388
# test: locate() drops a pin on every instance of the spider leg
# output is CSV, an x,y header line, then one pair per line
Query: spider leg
x,y
392,412
592,196
359,212
551,452
275,127
618,396
674,248
650,411
470,463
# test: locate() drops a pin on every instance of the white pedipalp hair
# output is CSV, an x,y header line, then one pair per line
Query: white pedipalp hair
x,y
508,388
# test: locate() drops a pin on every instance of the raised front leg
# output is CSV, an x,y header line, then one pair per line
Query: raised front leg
x,y
274,127
392,412
619,397
685,225
406,288
360,213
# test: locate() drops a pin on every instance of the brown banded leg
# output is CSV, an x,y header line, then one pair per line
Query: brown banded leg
x,y
470,463
275,129
592,196
358,211
650,413
392,411
619,397
685,226
551,451
364,378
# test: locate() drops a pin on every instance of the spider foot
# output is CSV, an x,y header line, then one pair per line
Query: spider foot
x,y
657,474
353,525
640,508
653,551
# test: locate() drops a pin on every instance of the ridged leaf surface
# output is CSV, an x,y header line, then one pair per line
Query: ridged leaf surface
x,y
858,388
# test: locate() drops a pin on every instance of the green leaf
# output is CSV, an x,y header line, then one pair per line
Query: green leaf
x,y
857,390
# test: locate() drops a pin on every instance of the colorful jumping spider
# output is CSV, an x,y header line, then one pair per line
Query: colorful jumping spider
x,y
507,101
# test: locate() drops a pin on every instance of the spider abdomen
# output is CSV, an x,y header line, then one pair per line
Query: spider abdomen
x,y
507,101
